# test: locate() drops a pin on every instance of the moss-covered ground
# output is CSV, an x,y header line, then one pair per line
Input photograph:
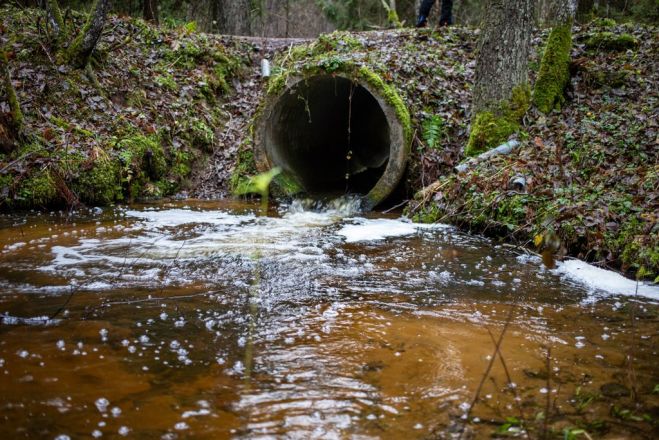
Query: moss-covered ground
x,y
135,133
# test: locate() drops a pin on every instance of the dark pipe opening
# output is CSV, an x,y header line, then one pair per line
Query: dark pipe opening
x,y
331,133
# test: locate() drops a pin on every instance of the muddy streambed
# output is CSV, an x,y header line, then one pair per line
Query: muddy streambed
x,y
206,320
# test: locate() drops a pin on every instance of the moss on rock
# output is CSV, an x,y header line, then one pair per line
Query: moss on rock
x,y
638,250
285,185
604,22
98,181
554,75
142,159
37,189
611,42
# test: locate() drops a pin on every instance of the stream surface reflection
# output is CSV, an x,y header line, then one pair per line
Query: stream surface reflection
x,y
206,320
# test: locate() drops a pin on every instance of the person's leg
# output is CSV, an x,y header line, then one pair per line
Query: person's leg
x,y
446,16
424,12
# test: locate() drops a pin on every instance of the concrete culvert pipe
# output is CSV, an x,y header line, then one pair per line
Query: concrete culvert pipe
x,y
333,134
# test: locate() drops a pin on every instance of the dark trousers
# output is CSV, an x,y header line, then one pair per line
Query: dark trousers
x,y
446,15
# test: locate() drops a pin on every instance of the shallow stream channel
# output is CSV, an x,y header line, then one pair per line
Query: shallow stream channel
x,y
207,320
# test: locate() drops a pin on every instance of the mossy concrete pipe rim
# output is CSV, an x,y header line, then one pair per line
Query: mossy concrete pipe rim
x,y
392,131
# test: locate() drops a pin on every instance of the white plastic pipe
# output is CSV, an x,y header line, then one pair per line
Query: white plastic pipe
x,y
265,68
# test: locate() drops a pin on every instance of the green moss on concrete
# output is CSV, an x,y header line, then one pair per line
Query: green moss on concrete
x,y
322,58
490,129
285,185
327,54
611,42
554,75
277,83
339,41
391,97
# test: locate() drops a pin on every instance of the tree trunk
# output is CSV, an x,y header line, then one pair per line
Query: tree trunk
x,y
55,19
150,10
503,52
563,11
288,17
392,13
554,74
82,47
233,17
501,93
585,9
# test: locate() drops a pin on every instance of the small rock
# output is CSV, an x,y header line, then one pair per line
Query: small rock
x,y
615,390
373,366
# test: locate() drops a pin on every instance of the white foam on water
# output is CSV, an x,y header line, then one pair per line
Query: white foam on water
x,y
178,217
602,280
378,229
7,319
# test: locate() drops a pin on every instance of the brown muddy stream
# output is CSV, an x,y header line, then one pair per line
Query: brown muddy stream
x,y
205,320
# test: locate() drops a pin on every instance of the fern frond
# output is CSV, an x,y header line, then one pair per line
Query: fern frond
x,y
433,131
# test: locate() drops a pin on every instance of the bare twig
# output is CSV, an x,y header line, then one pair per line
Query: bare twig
x,y
401,204
518,401
489,365
631,372
545,422
10,164
74,289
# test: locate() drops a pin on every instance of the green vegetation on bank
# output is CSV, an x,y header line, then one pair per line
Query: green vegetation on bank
x,y
131,130
589,167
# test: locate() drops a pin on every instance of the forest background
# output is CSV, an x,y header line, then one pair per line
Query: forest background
x,y
309,18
